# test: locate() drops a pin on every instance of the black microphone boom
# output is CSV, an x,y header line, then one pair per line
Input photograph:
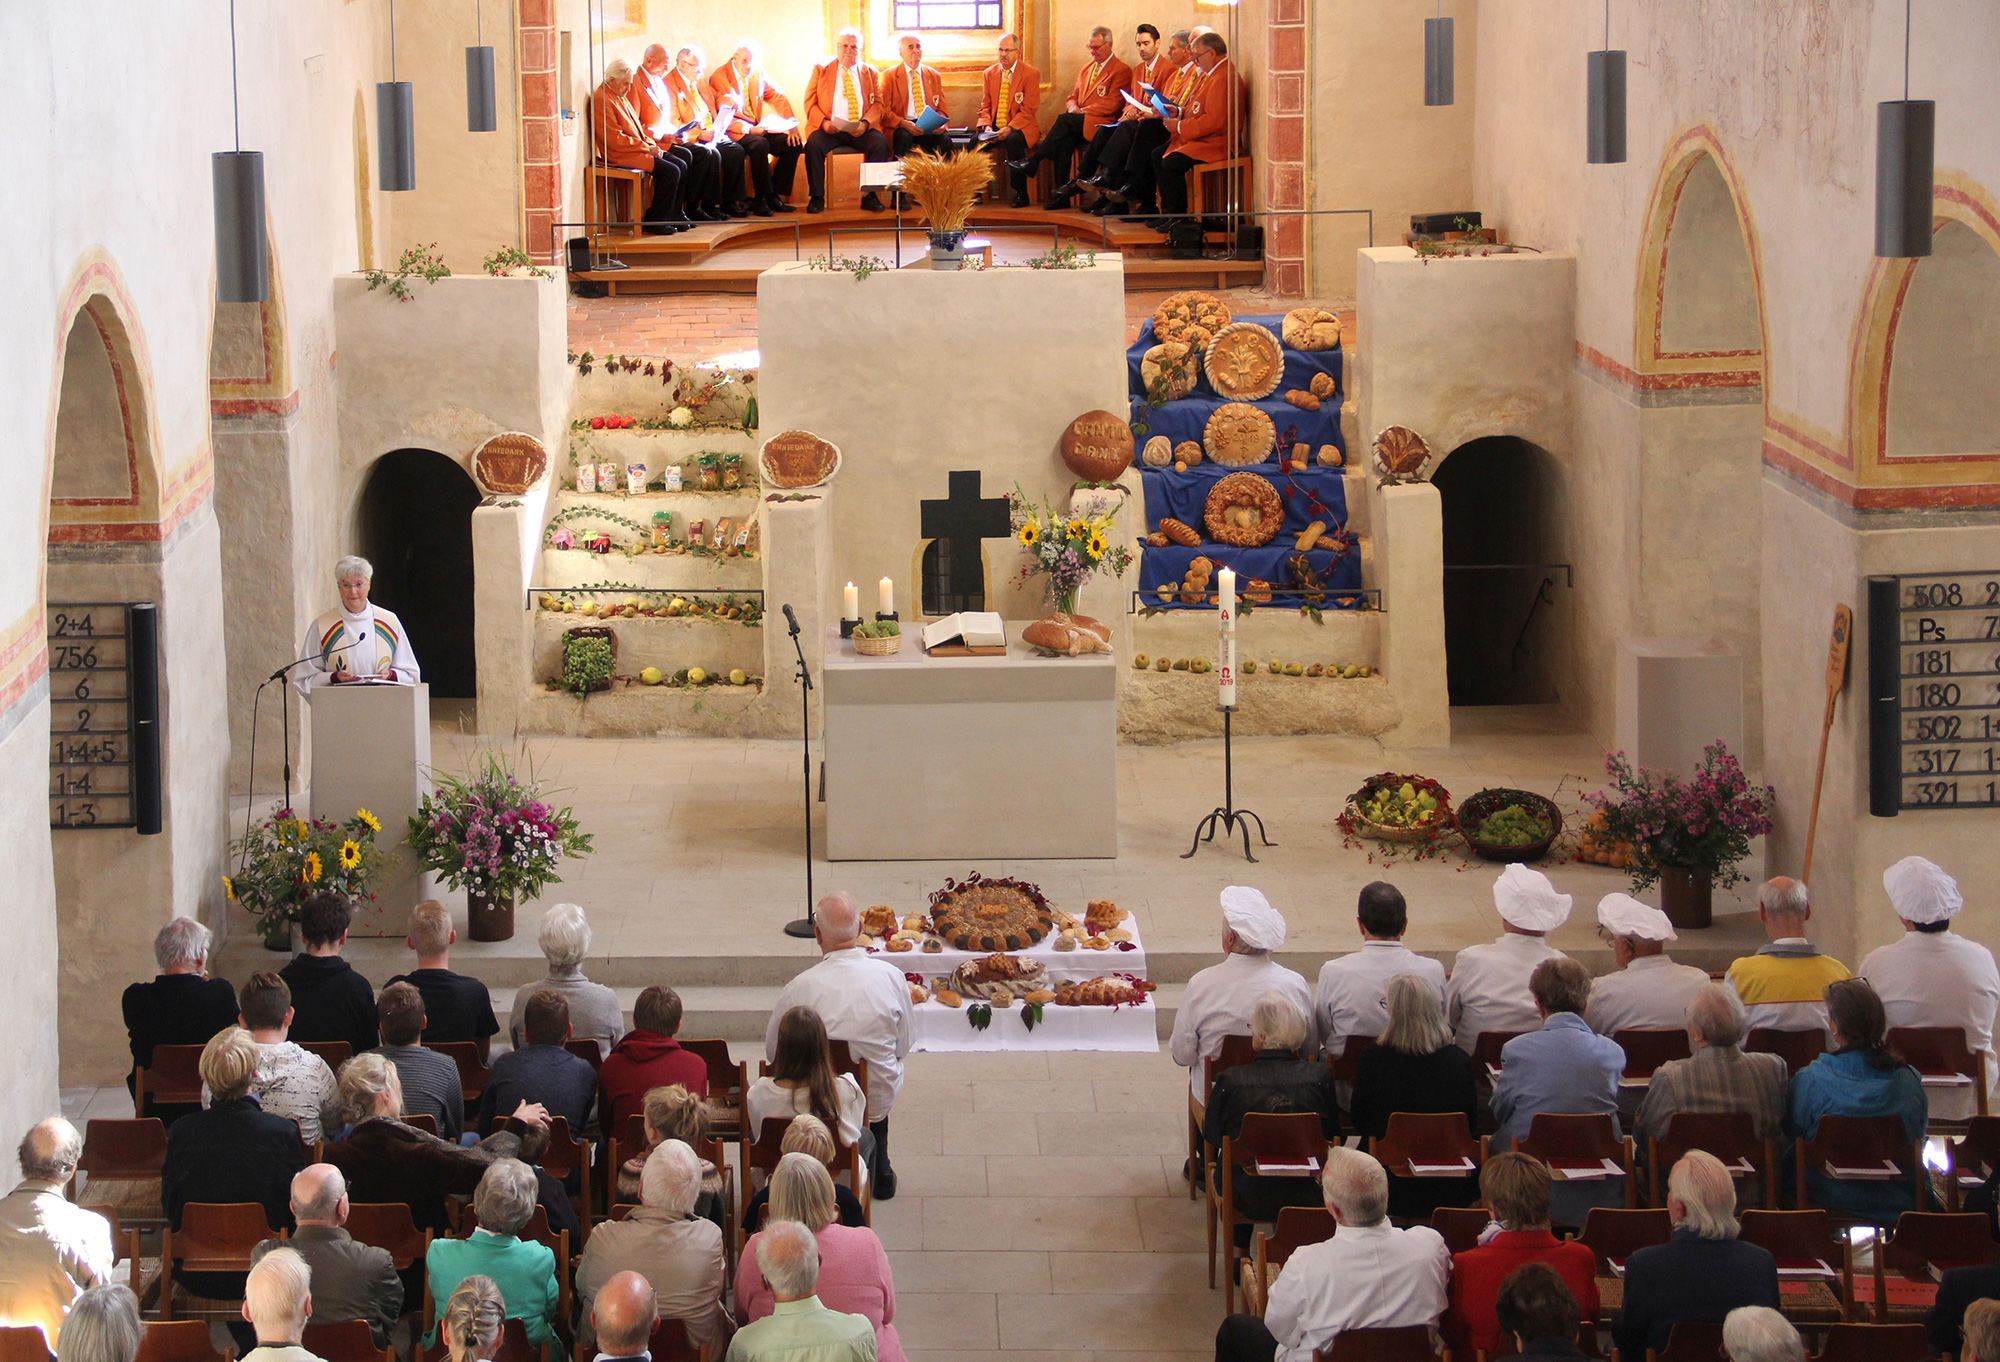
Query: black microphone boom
x,y
791,620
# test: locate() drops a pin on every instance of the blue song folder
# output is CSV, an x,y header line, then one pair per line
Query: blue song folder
x,y
930,120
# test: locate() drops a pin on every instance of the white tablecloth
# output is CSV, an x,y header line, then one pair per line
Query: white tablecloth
x,y
1133,1027
1081,963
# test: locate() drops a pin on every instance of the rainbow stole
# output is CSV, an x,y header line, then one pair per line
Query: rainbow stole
x,y
385,643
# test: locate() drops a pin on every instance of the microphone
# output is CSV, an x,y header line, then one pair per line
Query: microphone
x,y
792,620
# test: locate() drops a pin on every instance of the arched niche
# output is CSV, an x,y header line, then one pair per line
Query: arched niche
x,y
1500,498
415,527
1944,350
103,470
1708,296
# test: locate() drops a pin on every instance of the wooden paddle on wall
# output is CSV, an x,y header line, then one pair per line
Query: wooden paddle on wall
x,y
1836,678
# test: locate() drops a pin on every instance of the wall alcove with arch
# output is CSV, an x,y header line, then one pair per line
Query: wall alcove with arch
x,y
1504,610
416,529
1945,351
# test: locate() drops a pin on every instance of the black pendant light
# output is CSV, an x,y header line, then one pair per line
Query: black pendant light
x,y
237,181
395,124
1439,63
1607,100
481,114
1905,148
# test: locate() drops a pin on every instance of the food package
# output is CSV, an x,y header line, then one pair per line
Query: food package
x,y
608,477
696,532
586,477
732,472
663,528
709,472
672,474
635,478
721,533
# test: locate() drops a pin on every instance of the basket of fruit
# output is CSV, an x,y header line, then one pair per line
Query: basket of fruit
x,y
1509,825
1398,808
1596,845
878,638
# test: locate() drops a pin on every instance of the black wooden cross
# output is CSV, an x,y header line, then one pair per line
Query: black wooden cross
x,y
958,523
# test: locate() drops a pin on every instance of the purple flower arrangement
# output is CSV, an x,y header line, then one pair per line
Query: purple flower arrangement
x,y
1702,824
493,835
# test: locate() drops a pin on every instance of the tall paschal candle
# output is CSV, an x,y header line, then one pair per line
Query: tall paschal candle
x,y
1226,598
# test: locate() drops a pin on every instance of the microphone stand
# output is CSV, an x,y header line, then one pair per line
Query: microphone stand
x,y
803,927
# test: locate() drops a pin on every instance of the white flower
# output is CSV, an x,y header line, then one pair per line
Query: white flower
x,y
680,416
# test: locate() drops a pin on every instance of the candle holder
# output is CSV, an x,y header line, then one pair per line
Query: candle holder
x,y
1228,817
892,615
847,627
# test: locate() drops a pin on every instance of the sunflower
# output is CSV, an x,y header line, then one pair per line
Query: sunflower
x,y
1097,545
299,829
373,823
1028,534
1077,528
350,854
311,873
229,888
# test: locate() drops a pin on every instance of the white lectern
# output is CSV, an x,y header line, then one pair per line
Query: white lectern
x,y
371,749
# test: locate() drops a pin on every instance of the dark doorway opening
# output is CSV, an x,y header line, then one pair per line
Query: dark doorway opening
x,y
1498,498
416,528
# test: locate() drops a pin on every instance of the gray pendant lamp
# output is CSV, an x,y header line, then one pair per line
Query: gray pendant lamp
x,y
1439,62
1607,101
237,180
481,113
1905,146
395,124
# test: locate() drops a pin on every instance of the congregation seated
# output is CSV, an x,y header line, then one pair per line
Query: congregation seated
x,y
1718,1077
746,88
1010,93
1219,998
473,1320
290,1081
1488,988
1783,986
647,1057
1094,100
1932,976
457,1007
1859,1076
1279,1079
1516,1189
1351,996
1701,1273
1757,1333
621,1318
1125,179
1536,1309
853,1271
673,107
622,141
51,1252
594,1013
664,1241
1214,124
674,1113
181,1006
430,1080
807,1134
802,1079
798,1324
524,1270
277,1302
1413,1066
842,114
1369,1275
234,1151
330,998
1563,1066
350,1280
1646,990
541,1072
103,1326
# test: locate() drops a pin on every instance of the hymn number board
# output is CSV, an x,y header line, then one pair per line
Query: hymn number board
x,y
90,716
1948,637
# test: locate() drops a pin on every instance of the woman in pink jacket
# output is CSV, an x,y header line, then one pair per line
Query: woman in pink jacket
x,y
853,1268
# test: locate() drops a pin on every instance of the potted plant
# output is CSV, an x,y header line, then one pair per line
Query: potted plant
x,y
285,859
497,838
1686,835
1066,549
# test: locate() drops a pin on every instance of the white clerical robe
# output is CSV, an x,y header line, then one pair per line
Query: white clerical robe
x,y
863,1001
1940,979
372,643
1650,994
1488,989
1218,1002
1350,998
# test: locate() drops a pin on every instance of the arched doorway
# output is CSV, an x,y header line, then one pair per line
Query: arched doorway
x,y
416,528
1503,604
1945,349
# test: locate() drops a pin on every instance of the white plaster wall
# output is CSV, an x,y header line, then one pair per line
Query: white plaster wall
x,y
28,1081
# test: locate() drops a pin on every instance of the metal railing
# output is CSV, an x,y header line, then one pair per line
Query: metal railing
x,y
1362,599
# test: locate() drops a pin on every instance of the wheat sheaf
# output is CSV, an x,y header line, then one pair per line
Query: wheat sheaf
x,y
946,187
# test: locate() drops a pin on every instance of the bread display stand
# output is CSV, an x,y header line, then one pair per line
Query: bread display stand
x,y
1133,1027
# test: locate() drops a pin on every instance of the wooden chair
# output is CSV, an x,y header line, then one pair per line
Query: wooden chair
x,y
1561,1140
1690,1341
536,1229
1972,1158
1235,1050
565,1155
762,1154
1586,1343
422,1120
1941,1056
334,1052
1266,1137
173,1078
1646,1051
671,1342
1346,1065
1460,1226
351,1340
180,1340
1730,1136
1874,1343
514,1344
121,1161
1214,186
1860,1142
472,1070
124,1246
1796,1048
213,1237
728,1080
1427,1137
1486,1048
1297,1227
24,1343
587,1051
1919,1249
1614,1234
1795,1238
1409,1344
389,1225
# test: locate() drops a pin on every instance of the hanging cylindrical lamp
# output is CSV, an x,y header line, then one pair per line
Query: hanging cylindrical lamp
x,y
395,124
242,255
1606,95
1440,84
1905,149
481,110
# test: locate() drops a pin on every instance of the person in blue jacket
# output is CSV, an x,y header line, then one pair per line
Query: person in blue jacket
x,y
1860,1076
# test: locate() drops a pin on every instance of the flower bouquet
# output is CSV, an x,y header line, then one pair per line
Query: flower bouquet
x,y
494,836
1686,835
285,859
1067,549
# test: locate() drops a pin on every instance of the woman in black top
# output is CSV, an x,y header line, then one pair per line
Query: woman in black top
x,y
1413,1066
1278,1081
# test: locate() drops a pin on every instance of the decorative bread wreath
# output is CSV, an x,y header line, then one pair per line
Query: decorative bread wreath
x,y
1243,510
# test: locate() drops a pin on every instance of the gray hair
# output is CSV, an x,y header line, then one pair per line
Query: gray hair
x,y
1706,1193
671,1179
693,50
183,941
1715,1014
354,565
564,937
102,1326
842,916
1277,1021
277,1292
1784,897
1101,32
50,1150
1757,1333
617,71
316,1192
364,1079
1180,35
505,1197
802,1190
1416,1017
788,1256
1355,1185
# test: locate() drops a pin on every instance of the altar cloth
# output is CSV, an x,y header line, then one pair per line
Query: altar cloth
x,y
1081,963
1133,1028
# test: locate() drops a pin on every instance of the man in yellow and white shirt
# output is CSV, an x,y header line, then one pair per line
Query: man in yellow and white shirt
x,y
1783,986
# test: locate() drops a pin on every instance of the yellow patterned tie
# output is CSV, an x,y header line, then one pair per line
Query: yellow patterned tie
x,y
1001,106
850,92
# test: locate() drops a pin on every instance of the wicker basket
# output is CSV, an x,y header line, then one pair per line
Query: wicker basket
x,y
602,631
1382,832
1482,806
877,647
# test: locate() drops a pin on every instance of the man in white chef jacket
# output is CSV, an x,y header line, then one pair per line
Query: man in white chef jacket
x,y
1934,976
1647,991
356,640
1219,999
863,1001
1349,1000
1488,988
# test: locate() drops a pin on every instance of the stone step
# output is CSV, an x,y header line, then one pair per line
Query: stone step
x,y
669,644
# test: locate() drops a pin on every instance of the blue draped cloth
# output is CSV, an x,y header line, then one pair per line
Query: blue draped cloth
x,y
1187,418
1316,494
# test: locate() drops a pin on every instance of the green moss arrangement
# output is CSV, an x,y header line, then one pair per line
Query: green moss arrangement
x,y
878,629
586,665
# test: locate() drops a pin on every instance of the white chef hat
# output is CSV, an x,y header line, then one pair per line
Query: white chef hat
x,y
1623,915
1258,925
1527,899
1921,891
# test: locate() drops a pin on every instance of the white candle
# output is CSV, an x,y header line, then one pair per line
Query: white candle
x,y
850,603
886,604
1226,599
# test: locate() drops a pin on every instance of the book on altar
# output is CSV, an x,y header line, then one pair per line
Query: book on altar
x,y
930,120
972,628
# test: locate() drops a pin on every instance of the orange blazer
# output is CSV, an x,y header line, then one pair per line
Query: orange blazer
x,y
896,94
689,104
621,141
1098,95
1024,100
750,94
1203,134
652,100
820,94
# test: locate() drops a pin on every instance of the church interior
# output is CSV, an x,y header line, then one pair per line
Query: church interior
x,y
1481,403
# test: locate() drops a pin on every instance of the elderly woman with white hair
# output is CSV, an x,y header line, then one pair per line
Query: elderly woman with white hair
x,y
1757,1333
524,1270
277,1301
357,640
594,1013
181,1006
1702,1273
103,1326
1414,1066
853,1268
665,1242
